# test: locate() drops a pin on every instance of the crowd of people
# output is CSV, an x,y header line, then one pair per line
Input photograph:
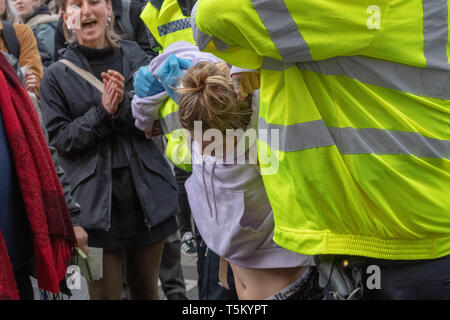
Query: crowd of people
x,y
292,147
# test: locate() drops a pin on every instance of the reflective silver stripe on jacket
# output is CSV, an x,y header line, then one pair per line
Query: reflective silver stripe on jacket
x,y
315,134
292,46
202,39
426,82
435,33
433,81
283,30
170,123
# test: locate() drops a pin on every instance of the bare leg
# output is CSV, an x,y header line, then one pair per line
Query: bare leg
x,y
143,271
110,286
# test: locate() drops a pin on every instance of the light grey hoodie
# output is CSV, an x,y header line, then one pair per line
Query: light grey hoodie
x,y
232,212
228,201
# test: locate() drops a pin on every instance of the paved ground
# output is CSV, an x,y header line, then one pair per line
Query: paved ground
x,y
189,265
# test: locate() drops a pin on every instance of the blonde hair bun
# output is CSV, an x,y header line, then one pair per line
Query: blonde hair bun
x,y
207,95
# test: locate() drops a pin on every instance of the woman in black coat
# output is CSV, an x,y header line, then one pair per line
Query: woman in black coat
x,y
124,185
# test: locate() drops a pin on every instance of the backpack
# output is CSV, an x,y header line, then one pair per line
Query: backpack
x,y
13,45
10,38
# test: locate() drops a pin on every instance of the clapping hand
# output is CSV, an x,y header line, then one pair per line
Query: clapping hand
x,y
113,93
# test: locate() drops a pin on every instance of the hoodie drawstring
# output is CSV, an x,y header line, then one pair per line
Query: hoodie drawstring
x,y
213,193
212,186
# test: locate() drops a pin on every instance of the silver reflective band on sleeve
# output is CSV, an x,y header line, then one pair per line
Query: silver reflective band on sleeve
x,y
297,137
283,30
435,33
315,134
276,65
170,123
381,141
200,38
174,26
433,81
220,45
427,82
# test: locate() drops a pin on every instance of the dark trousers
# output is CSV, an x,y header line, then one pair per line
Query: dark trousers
x,y
208,274
425,279
184,217
404,280
171,271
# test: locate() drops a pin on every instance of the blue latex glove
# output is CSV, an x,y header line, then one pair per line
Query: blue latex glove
x,y
145,84
170,73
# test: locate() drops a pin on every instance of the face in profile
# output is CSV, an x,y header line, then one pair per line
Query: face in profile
x,y
88,19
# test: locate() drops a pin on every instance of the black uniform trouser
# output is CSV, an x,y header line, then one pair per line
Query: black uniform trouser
x,y
184,217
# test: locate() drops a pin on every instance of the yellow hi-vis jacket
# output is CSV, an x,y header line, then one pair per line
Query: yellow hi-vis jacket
x,y
167,24
357,93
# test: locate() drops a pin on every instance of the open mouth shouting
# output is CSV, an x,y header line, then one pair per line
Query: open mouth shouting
x,y
88,25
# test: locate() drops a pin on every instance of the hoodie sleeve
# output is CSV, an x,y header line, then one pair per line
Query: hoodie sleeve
x,y
145,110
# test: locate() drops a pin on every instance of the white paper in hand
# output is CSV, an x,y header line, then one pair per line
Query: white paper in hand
x,y
95,260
